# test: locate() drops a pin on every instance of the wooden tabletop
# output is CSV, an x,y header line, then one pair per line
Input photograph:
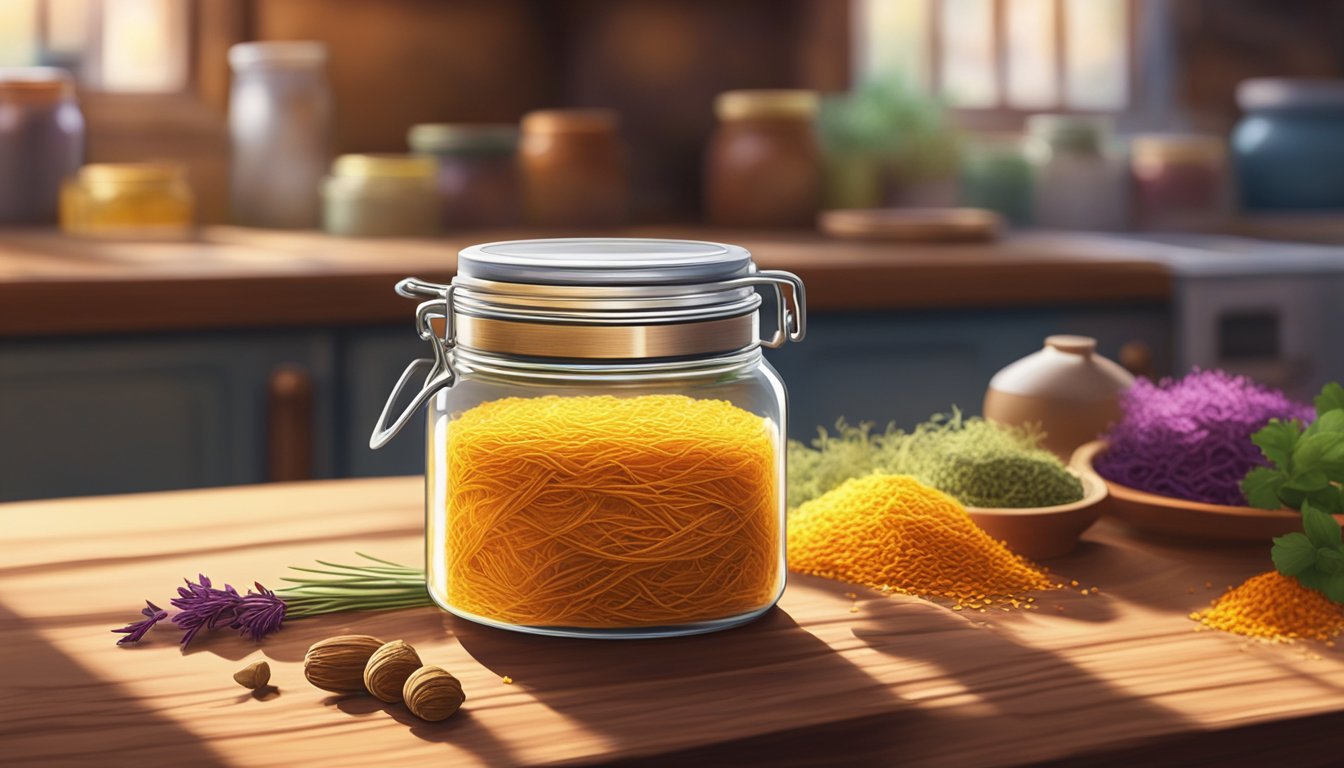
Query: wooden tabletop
x,y
52,284
1117,678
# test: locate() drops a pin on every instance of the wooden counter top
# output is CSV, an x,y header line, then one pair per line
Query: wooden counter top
x,y
1117,678
51,284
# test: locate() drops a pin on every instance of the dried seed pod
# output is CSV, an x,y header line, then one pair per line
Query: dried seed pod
x,y
432,694
337,663
388,668
255,675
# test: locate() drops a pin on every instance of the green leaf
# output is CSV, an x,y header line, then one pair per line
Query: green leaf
x,y
1292,498
1334,587
1330,561
1313,579
1330,421
1277,440
1322,529
1328,500
1323,451
1293,554
1261,487
1330,399
1308,480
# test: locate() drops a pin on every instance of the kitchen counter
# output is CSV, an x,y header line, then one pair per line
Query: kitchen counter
x,y
233,278
1116,678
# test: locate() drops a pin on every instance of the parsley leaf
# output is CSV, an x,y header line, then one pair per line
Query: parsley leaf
x,y
1322,529
1330,399
1293,553
1277,440
1261,487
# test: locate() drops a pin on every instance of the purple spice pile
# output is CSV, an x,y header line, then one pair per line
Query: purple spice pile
x,y
1191,438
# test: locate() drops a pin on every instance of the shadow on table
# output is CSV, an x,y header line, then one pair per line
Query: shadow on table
x,y
54,711
645,696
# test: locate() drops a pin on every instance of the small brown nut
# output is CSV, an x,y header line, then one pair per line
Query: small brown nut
x,y
432,694
388,668
255,675
337,663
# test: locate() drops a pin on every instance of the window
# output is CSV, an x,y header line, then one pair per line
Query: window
x,y
118,46
1001,55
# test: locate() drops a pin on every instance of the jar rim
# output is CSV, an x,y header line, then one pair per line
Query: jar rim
x,y
279,53
603,261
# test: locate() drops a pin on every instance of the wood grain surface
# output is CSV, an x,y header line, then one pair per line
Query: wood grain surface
x,y
1119,677
51,284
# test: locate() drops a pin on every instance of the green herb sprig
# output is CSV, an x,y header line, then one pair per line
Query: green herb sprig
x,y
375,586
1306,474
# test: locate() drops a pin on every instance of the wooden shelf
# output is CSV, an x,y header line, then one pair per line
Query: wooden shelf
x,y
230,278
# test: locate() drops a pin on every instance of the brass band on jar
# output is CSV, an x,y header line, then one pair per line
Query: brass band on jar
x,y
612,342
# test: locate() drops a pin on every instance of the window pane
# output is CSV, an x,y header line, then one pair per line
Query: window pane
x,y
1096,33
1031,53
18,32
967,38
69,25
891,40
144,45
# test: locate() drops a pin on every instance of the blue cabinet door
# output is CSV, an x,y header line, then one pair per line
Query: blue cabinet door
x,y
128,415
371,361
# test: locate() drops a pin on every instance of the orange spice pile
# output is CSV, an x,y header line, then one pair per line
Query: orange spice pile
x,y
891,532
1274,607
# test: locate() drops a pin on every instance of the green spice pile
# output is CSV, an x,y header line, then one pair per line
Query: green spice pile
x,y
977,462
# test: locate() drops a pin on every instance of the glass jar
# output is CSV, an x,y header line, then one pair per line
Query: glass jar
x,y
605,439
381,196
574,169
996,175
1179,182
41,142
763,167
1078,184
151,201
477,179
280,116
1287,150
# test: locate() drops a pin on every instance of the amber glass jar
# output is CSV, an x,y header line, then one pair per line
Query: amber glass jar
x,y
574,168
763,167
477,181
129,200
41,142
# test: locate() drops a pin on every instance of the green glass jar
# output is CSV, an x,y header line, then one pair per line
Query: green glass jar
x,y
380,196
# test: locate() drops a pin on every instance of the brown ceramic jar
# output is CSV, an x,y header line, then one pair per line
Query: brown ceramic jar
x,y
574,168
763,167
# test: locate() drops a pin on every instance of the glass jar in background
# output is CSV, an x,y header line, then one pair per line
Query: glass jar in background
x,y
280,122
574,168
763,166
41,142
477,179
996,175
1179,182
1078,183
595,471
139,201
381,196
1287,148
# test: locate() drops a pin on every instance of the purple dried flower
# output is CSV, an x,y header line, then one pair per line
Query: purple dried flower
x,y
135,631
1191,439
259,613
201,606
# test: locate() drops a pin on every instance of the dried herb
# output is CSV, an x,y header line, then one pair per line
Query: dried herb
x,y
136,630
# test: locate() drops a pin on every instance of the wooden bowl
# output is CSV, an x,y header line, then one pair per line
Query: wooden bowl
x,y
1168,516
1044,532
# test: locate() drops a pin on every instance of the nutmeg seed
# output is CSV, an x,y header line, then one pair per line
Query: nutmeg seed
x,y
387,670
432,694
337,663
255,675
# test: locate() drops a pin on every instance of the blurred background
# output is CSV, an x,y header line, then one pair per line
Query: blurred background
x,y
205,202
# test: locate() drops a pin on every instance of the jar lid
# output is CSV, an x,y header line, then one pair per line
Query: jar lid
x,y
37,84
382,166
766,104
604,261
132,173
463,138
1188,147
1290,93
571,121
278,53
1085,132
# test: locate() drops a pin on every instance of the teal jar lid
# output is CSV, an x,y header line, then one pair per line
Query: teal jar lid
x,y
463,138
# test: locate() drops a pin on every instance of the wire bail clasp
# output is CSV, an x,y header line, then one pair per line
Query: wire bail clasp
x,y
440,368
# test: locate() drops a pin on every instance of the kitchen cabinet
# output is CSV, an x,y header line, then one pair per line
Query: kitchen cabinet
x,y
117,415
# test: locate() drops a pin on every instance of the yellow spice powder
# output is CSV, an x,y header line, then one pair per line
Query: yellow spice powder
x,y
1274,607
893,533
